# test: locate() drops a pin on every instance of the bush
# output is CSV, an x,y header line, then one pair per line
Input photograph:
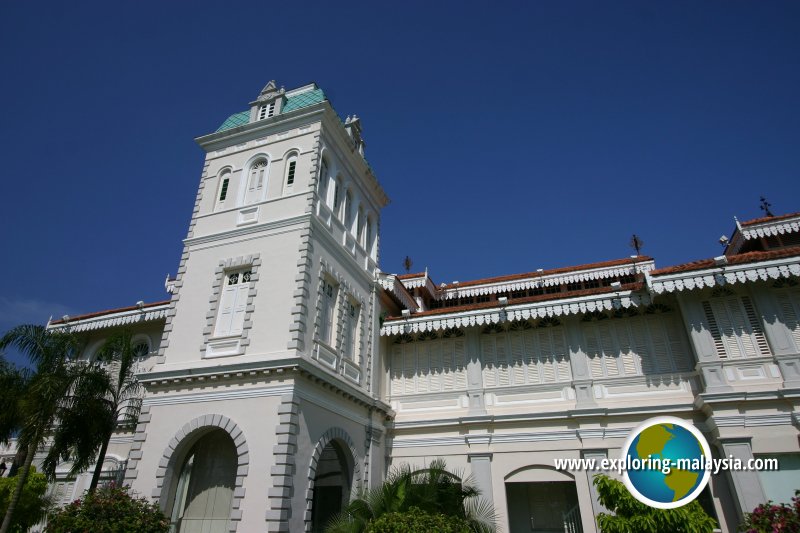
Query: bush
x,y
33,503
109,510
417,521
632,515
769,517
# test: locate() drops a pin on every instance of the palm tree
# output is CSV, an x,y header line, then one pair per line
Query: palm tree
x,y
44,393
433,490
102,401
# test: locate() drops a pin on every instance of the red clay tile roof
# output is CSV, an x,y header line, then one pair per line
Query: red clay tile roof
x,y
768,219
529,299
409,276
511,277
749,257
110,311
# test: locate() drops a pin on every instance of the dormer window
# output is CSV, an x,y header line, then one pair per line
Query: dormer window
x,y
266,110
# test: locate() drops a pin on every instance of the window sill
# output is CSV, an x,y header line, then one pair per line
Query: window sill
x,y
223,346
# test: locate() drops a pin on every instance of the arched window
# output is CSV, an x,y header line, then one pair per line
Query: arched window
x,y
337,196
291,169
348,211
256,182
360,227
205,484
368,239
323,182
224,183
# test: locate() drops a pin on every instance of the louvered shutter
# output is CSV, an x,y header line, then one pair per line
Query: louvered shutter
x,y
593,351
436,366
503,370
610,354
225,313
423,366
459,355
397,370
449,367
786,302
627,352
518,362
490,361
409,368
561,355
239,306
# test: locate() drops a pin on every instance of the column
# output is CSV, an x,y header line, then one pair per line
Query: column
x,y
477,403
579,364
481,464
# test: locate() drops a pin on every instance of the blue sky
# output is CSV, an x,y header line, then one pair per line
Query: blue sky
x,y
509,136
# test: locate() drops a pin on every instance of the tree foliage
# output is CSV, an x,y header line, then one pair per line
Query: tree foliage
x,y
632,516
109,509
433,491
33,502
770,517
417,521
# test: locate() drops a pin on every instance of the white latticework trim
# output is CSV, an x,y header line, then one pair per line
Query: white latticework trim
x,y
117,319
396,287
606,302
768,229
699,279
548,280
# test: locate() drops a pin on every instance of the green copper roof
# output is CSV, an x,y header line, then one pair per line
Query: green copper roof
x,y
303,100
237,119
293,102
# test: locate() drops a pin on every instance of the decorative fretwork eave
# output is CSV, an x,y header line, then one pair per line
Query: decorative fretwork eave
x,y
396,288
127,317
723,275
496,314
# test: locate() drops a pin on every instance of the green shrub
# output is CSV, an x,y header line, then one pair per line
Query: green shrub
x,y
32,503
632,515
416,521
769,517
109,510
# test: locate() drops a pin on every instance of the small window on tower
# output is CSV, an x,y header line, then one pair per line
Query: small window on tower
x,y
291,167
266,111
224,183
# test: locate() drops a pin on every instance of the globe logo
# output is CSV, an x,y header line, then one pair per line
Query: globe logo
x,y
666,462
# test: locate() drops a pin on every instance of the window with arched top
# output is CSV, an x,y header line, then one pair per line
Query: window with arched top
x,y
348,211
224,185
368,237
291,170
256,182
360,227
323,182
337,196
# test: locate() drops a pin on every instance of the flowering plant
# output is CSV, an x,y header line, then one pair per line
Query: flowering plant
x,y
774,518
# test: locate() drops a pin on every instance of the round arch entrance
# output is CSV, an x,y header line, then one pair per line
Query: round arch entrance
x,y
204,486
333,481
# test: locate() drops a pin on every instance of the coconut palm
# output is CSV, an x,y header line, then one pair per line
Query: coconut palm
x,y
42,396
433,490
102,401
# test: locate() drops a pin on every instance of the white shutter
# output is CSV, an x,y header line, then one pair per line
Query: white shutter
x,y
409,368
489,361
639,336
423,366
225,313
449,366
560,354
239,306
790,315
517,358
593,351
396,362
436,365
660,347
610,354
460,358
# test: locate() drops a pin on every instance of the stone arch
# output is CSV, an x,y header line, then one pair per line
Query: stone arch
x,y
182,441
343,438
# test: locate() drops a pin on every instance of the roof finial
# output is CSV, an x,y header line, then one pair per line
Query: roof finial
x,y
637,244
765,205
407,264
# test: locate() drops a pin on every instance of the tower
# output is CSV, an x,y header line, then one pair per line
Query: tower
x,y
263,394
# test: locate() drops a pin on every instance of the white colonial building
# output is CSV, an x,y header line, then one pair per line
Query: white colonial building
x,y
287,371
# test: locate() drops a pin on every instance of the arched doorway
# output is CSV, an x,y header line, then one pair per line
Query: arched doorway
x,y
333,481
541,499
205,483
